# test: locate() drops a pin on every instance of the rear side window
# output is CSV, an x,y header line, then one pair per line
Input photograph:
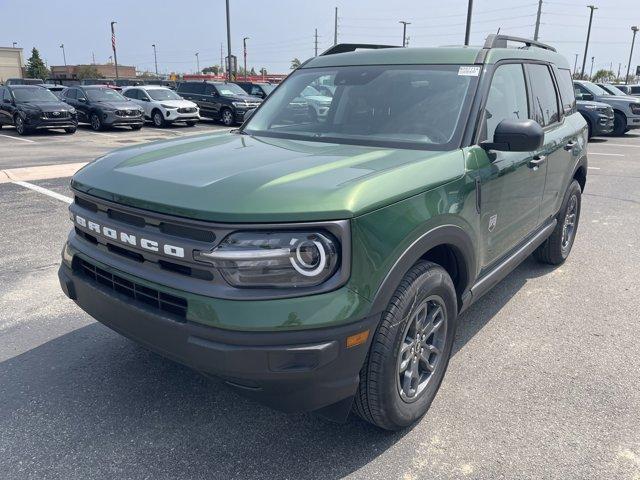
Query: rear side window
x,y
132,93
507,97
545,101
568,98
635,90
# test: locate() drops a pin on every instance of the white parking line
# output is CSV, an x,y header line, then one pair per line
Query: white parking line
x,y
593,168
18,138
620,145
607,154
45,191
98,133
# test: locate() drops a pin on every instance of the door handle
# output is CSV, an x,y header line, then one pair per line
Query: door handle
x,y
569,146
537,161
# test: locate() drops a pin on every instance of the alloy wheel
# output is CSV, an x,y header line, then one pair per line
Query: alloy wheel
x,y
569,225
157,119
19,125
95,122
421,350
227,118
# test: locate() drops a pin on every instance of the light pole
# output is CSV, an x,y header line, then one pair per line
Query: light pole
x,y
575,64
591,71
244,47
64,56
467,32
228,43
404,32
155,57
586,45
537,30
635,30
113,45
198,62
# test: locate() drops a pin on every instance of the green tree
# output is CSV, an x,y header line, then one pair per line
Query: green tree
x,y
214,69
603,75
35,66
295,63
88,71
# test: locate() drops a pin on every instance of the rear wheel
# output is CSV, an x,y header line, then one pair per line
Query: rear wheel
x,y
96,123
557,247
410,350
21,128
158,119
619,124
227,117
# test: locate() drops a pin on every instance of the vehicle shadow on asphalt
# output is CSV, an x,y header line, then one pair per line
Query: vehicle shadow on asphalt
x,y
91,404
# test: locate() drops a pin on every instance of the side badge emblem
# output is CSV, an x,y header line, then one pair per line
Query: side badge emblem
x,y
493,219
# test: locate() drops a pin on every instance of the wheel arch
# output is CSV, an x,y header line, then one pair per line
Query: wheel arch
x,y
448,246
580,172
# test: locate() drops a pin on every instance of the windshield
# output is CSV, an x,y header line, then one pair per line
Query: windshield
x,y
398,105
34,95
230,89
595,89
163,94
104,95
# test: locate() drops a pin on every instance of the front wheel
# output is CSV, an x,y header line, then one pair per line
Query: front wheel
x,y
410,351
158,119
191,124
21,128
70,129
619,124
557,247
96,123
136,127
227,117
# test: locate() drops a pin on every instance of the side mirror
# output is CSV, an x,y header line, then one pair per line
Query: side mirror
x,y
587,96
145,99
516,136
7,100
82,99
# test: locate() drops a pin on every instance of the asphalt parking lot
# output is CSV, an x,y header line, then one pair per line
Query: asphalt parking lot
x,y
544,381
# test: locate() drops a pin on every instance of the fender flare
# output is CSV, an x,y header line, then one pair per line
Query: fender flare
x,y
582,162
450,235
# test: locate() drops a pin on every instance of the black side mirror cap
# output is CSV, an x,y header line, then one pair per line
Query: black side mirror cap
x,y
516,136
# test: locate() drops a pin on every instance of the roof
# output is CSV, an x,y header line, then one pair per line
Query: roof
x,y
435,56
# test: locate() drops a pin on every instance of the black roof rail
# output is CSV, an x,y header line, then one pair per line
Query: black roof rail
x,y
500,41
352,47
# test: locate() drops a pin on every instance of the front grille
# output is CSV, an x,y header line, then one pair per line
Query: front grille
x,y
58,114
187,110
128,113
144,295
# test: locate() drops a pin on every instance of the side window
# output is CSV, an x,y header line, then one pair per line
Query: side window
x,y
132,93
566,91
255,90
207,89
579,90
545,101
507,97
635,90
185,88
80,94
72,93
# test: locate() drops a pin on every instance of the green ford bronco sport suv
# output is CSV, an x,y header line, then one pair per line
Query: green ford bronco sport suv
x,y
321,263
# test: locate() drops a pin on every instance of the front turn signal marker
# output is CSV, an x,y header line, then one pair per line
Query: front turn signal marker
x,y
357,339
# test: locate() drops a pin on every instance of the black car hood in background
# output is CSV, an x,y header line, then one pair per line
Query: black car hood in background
x,y
44,106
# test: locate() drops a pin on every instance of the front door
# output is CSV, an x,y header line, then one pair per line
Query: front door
x,y
511,183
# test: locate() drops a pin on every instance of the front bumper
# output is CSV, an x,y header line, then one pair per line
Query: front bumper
x,y
603,125
174,116
44,123
291,371
112,120
633,121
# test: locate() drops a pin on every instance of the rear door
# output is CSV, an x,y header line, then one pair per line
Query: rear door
x,y
4,106
511,183
211,100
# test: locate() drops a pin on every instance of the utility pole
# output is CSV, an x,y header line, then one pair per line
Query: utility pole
x,y
404,32
591,71
535,34
93,58
113,45
586,45
619,67
221,58
316,44
244,47
228,43
198,62
155,58
335,27
64,56
467,32
634,29
575,64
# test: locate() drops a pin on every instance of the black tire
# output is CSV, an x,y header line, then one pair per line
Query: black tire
x,y
21,128
71,129
619,124
382,398
557,247
136,127
158,119
589,130
96,122
191,123
226,117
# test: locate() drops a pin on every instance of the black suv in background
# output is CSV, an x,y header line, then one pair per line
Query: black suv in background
x,y
222,101
257,89
103,107
30,107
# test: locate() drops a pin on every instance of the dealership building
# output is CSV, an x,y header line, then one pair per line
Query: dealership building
x,y
10,63
107,70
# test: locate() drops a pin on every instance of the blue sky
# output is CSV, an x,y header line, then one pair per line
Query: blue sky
x,y
280,30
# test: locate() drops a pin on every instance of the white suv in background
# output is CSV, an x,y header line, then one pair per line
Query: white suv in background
x,y
163,106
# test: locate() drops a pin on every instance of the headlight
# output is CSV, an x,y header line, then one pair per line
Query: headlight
x,y
72,111
239,104
590,107
275,259
635,108
168,107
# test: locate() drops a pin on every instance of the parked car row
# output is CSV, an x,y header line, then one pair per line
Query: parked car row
x,y
606,108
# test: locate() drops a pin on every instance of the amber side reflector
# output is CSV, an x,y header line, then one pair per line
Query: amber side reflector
x,y
357,339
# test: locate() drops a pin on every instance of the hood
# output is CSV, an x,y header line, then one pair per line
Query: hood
x,y
118,105
238,178
46,106
617,99
177,103
589,103
244,98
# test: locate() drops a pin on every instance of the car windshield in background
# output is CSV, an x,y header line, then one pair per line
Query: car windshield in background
x,y
401,105
614,90
104,95
595,89
35,94
268,88
163,94
230,89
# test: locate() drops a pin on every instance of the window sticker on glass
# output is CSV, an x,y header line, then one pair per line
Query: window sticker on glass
x,y
467,71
